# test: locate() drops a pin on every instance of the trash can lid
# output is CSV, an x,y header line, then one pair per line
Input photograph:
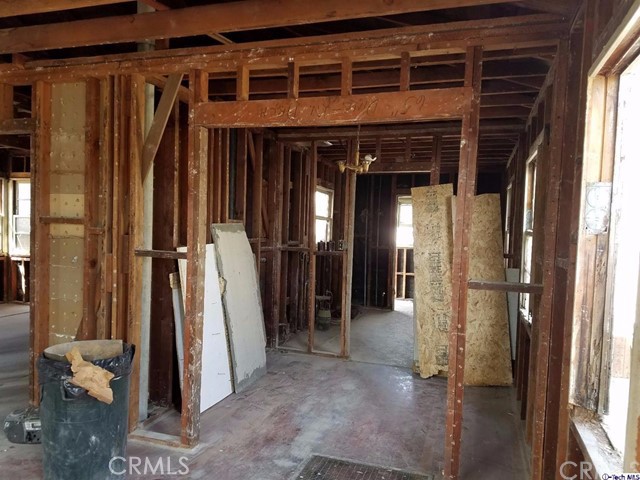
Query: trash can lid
x,y
90,350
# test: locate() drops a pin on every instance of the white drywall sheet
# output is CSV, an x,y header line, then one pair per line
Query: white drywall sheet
x,y
242,303
216,381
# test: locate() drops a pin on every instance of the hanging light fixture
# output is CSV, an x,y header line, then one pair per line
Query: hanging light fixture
x,y
358,165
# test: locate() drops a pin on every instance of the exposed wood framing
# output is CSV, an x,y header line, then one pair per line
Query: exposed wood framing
x,y
201,20
436,160
10,8
159,123
453,37
543,318
357,109
40,167
460,272
196,242
311,295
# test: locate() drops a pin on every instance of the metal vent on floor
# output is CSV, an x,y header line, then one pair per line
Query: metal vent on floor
x,y
327,468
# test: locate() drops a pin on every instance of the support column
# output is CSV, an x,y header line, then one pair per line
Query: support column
x,y
460,273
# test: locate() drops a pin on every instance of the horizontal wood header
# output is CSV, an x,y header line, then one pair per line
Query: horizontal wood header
x,y
388,107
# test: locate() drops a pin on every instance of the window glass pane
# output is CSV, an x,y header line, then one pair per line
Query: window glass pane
x,y
322,227
406,215
322,204
404,236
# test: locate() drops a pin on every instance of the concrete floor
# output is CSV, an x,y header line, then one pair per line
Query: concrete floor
x,y
364,412
377,336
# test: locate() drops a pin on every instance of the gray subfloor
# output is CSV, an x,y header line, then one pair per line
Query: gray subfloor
x,y
369,413
377,336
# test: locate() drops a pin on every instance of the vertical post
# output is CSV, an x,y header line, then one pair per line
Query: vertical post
x,y
242,83
196,242
347,259
311,306
293,80
276,172
6,101
89,323
240,203
256,229
460,272
543,321
405,72
436,160
40,167
346,86
133,316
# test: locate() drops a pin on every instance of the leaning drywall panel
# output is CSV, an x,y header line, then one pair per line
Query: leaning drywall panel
x,y
488,348
216,382
242,303
66,199
432,230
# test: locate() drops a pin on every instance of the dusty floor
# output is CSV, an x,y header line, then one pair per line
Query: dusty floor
x,y
364,412
377,336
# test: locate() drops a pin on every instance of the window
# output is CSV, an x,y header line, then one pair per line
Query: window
x,y
527,232
324,214
21,218
507,223
404,230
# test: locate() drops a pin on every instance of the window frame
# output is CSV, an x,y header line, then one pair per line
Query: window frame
x,y
329,219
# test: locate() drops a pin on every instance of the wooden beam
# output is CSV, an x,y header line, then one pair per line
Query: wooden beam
x,y
464,202
405,71
566,8
196,241
242,83
353,109
293,80
311,293
159,123
11,8
201,20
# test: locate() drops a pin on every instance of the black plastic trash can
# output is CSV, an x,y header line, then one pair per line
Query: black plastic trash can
x,y
80,434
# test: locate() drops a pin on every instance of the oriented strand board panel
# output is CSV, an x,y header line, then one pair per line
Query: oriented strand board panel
x,y
216,383
488,359
66,199
242,303
433,241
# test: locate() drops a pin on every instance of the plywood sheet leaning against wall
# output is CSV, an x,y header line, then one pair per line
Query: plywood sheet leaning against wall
x,y
242,303
433,245
488,360
66,204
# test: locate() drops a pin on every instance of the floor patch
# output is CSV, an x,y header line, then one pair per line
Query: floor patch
x,y
327,468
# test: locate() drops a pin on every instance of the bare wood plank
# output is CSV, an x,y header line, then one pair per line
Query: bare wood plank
x,y
196,241
6,102
159,123
543,319
355,109
346,77
293,80
47,219
311,295
17,126
240,204
39,265
135,134
561,8
242,83
529,31
11,8
201,20
505,286
405,71
460,272
165,254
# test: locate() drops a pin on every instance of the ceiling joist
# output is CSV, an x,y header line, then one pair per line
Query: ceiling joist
x,y
202,20
11,8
